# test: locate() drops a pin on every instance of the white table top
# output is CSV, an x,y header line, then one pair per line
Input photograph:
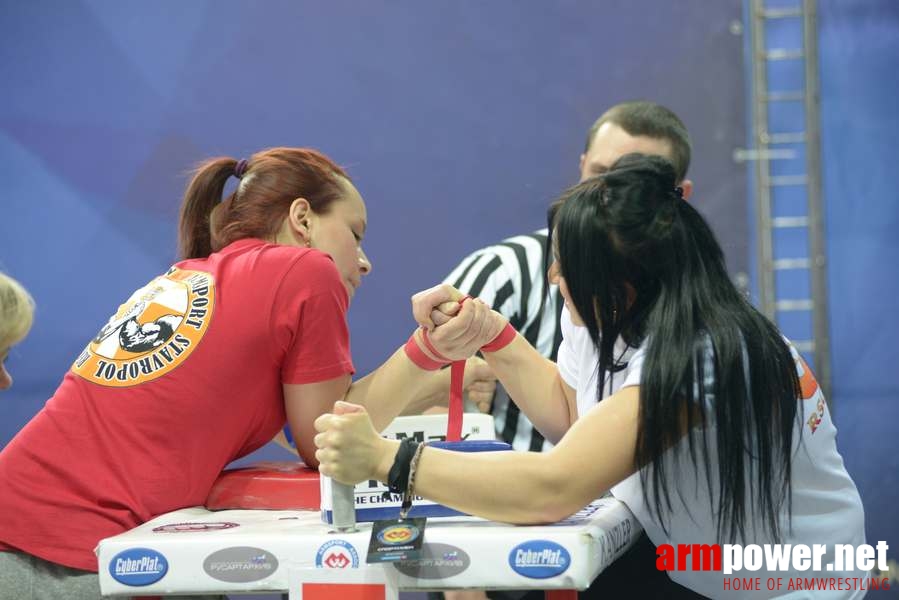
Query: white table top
x,y
194,550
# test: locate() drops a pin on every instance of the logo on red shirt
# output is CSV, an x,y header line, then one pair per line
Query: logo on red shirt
x,y
153,332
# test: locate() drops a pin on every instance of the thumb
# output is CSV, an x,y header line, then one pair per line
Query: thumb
x,y
479,370
449,308
345,408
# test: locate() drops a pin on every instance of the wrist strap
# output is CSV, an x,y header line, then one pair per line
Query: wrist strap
x,y
504,338
408,494
457,371
419,358
454,418
398,477
425,338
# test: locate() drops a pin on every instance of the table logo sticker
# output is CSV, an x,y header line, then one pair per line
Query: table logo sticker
x,y
539,559
437,561
337,554
240,564
193,527
138,567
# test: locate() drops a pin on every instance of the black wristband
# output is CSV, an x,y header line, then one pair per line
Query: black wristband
x,y
398,477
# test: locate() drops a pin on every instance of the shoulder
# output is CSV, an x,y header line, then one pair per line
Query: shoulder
x,y
577,346
266,255
517,254
573,335
532,243
290,267
313,267
311,260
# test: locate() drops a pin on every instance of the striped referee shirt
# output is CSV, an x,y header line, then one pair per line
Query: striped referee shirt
x,y
510,277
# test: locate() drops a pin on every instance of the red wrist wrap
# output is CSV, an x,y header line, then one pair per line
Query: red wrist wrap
x,y
504,338
427,342
417,356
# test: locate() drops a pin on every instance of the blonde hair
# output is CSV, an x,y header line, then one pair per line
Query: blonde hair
x,y
16,311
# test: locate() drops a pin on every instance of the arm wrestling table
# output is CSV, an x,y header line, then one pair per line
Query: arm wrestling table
x,y
194,550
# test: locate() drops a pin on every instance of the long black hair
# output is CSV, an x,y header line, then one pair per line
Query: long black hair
x,y
641,263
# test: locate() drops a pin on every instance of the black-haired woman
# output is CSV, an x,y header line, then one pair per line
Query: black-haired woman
x,y
671,390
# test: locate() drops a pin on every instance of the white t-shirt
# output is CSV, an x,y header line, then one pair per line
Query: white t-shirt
x,y
826,507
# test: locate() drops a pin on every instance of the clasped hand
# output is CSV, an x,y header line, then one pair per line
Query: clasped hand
x,y
455,330
349,448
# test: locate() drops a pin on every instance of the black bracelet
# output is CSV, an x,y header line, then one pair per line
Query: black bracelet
x,y
410,488
398,477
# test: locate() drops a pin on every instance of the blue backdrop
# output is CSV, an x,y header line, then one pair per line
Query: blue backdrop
x,y
859,59
459,123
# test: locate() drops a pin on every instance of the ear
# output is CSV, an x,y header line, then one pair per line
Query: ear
x,y
687,186
631,291
580,165
299,218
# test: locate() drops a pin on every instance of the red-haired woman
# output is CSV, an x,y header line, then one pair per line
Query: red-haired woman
x,y
200,367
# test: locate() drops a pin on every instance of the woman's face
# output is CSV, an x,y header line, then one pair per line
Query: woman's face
x,y
339,233
554,275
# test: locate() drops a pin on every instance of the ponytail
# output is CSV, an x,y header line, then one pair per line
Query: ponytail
x,y
203,195
269,181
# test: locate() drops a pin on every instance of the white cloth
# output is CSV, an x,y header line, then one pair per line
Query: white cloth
x,y
827,508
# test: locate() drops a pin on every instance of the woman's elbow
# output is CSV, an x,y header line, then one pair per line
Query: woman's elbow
x,y
552,499
307,455
543,513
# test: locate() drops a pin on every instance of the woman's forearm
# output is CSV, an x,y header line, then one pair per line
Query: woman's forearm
x,y
387,390
530,487
512,487
534,384
433,393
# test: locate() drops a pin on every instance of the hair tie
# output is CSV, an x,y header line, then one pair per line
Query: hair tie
x,y
240,168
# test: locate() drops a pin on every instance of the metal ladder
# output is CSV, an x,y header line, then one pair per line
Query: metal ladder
x,y
791,259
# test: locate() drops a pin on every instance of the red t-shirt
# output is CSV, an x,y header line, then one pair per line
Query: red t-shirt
x,y
185,378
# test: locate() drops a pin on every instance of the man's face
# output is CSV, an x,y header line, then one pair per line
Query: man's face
x,y
611,142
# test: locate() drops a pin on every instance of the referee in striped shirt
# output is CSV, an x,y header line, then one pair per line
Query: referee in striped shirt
x,y
511,277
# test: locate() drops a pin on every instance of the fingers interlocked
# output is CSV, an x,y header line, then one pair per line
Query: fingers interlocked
x,y
463,335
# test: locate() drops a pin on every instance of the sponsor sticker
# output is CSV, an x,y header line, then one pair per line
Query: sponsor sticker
x,y
337,554
437,561
539,559
191,527
240,564
138,567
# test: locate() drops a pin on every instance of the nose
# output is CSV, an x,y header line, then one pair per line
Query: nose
x,y
364,263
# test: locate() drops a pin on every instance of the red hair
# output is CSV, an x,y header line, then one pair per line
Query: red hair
x,y
269,182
